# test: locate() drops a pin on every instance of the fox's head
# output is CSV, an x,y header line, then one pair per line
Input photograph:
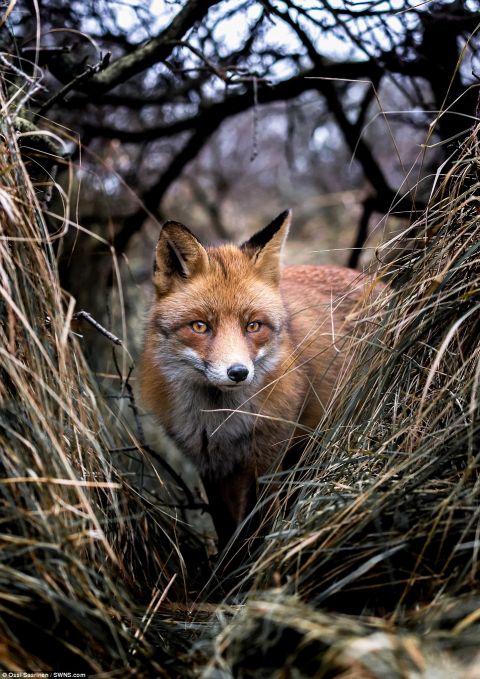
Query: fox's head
x,y
218,315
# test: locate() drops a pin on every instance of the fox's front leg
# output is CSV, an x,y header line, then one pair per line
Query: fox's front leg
x,y
231,499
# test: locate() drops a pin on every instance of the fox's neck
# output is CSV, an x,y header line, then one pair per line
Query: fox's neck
x,y
212,427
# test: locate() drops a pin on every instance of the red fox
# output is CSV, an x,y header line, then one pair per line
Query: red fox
x,y
241,358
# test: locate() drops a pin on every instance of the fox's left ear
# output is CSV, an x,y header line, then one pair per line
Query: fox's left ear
x,y
179,256
266,246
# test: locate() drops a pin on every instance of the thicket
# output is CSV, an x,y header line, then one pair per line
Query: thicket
x,y
371,568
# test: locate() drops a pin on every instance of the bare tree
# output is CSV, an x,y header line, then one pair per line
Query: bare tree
x,y
162,85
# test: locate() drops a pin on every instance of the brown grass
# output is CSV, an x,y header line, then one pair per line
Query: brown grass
x,y
85,556
381,520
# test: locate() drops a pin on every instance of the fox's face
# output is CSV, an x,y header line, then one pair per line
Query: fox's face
x,y
218,316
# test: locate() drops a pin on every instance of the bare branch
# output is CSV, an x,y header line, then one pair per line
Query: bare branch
x,y
237,103
85,316
89,72
152,52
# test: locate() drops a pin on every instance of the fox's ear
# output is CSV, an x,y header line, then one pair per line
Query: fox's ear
x,y
266,246
179,256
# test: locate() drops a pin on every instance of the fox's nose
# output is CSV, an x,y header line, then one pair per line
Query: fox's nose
x,y
237,372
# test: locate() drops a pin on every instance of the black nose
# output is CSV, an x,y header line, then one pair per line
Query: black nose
x,y
237,372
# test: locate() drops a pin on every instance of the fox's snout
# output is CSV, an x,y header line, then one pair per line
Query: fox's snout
x,y
229,374
237,372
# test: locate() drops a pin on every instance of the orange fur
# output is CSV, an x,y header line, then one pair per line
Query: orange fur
x,y
238,431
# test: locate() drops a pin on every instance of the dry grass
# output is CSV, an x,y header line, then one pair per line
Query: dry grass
x,y
85,558
382,517
276,636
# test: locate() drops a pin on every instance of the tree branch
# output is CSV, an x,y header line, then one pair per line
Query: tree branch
x,y
362,232
77,80
152,52
152,198
237,103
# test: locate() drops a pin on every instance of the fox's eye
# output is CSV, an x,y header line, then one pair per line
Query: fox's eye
x,y
253,326
199,327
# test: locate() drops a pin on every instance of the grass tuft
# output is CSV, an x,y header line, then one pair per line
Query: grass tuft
x,y
381,521
84,554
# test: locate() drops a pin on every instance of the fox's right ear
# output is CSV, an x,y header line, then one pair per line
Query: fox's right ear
x,y
179,256
265,247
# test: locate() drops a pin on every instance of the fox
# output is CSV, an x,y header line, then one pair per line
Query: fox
x,y
241,356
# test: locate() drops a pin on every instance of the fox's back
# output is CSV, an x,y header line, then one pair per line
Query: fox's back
x,y
320,301
320,297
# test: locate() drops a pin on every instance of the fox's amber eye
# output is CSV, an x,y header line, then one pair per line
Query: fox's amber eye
x,y
199,326
253,326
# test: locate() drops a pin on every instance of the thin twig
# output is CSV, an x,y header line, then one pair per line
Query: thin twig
x,y
81,77
84,315
131,398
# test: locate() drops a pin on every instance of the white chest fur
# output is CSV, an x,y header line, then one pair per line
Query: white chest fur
x,y
213,428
